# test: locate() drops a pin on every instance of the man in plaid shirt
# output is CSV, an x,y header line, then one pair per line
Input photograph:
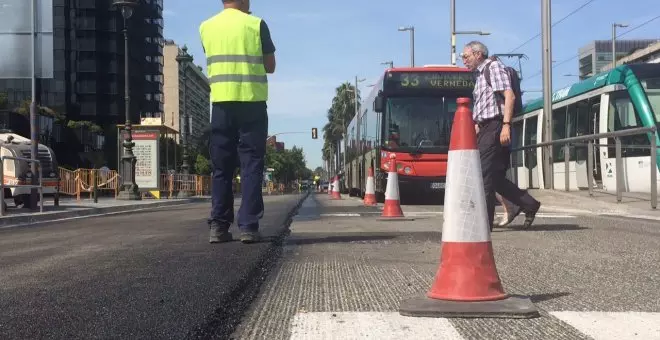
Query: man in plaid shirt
x,y
492,114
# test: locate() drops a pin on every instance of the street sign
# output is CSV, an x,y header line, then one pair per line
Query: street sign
x,y
146,150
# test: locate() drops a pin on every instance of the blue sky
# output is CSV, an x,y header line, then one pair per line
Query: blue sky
x,y
321,44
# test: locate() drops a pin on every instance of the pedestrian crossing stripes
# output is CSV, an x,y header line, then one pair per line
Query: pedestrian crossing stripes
x,y
391,325
614,325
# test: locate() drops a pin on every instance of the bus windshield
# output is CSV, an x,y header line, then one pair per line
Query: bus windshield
x,y
419,124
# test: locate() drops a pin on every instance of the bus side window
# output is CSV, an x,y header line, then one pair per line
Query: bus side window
x,y
622,115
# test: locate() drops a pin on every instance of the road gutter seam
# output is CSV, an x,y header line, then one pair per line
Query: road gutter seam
x,y
229,314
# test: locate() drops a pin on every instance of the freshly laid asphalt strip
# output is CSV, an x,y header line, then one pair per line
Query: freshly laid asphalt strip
x,y
141,275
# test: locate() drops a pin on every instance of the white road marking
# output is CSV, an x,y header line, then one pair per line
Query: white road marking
x,y
432,213
614,325
370,325
62,219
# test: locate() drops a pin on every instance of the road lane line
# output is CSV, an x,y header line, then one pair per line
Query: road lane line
x,y
370,325
614,325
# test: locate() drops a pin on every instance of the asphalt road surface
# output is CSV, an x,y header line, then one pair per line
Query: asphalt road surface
x,y
142,275
343,275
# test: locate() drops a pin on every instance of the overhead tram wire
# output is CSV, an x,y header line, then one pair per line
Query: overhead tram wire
x,y
555,24
578,55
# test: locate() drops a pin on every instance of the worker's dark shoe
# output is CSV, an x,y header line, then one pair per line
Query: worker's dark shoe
x,y
250,236
219,234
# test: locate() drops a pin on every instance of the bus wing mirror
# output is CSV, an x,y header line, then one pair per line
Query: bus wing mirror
x,y
379,104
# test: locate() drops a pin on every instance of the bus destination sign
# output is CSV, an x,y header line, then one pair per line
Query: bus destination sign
x,y
430,80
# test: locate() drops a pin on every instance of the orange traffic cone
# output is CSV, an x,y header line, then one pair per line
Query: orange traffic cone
x,y
335,189
392,208
467,283
370,191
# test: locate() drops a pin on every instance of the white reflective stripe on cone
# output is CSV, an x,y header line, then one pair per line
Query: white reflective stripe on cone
x,y
465,213
370,186
392,190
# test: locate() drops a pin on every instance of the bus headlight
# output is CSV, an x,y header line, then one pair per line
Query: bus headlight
x,y
407,170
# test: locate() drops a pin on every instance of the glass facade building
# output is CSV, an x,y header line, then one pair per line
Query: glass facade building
x,y
88,78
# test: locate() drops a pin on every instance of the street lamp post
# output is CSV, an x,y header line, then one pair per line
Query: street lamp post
x,y
129,189
411,29
546,52
184,59
614,26
452,29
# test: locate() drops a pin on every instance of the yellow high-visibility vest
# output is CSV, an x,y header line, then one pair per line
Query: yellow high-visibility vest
x,y
234,57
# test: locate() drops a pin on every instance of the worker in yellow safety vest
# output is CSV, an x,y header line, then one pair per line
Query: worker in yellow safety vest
x,y
239,54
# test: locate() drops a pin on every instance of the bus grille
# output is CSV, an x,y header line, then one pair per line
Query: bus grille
x,y
43,156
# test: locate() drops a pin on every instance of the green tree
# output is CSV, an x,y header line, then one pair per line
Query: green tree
x,y
340,114
288,165
202,165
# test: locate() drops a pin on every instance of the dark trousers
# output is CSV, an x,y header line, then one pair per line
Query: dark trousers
x,y
494,163
238,137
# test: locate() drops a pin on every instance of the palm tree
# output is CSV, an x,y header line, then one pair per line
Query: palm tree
x,y
340,114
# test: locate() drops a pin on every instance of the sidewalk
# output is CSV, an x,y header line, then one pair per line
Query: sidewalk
x,y
602,203
70,208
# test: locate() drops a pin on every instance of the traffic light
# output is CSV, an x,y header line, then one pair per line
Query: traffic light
x,y
315,133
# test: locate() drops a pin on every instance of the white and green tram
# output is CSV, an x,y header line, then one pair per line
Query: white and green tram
x,y
623,98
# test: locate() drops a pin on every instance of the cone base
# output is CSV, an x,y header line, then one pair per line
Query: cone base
x,y
514,307
395,218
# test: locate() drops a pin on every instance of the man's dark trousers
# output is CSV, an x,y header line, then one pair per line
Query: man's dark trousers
x,y
238,127
494,164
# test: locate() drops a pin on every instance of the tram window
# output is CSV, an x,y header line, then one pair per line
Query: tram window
x,y
558,132
578,123
622,115
530,139
516,135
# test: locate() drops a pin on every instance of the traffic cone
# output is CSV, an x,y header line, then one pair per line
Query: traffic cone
x,y
467,283
335,189
392,208
370,191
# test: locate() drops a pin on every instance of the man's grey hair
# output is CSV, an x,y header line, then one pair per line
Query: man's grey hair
x,y
477,46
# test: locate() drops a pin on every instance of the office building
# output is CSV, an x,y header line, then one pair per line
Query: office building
x,y
87,89
598,53
198,95
649,54
272,142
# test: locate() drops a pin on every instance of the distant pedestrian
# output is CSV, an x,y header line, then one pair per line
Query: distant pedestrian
x,y
493,110
239,53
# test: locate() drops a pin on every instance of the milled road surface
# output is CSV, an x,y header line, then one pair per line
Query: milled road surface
x,y
343,276
143,275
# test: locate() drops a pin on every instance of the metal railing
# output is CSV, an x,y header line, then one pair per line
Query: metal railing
x,y
39,186
566,142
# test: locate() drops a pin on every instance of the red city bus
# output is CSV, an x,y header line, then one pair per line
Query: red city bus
x,y
409,113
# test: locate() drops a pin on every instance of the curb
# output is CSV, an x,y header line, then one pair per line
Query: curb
x,y
229,314
24,220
